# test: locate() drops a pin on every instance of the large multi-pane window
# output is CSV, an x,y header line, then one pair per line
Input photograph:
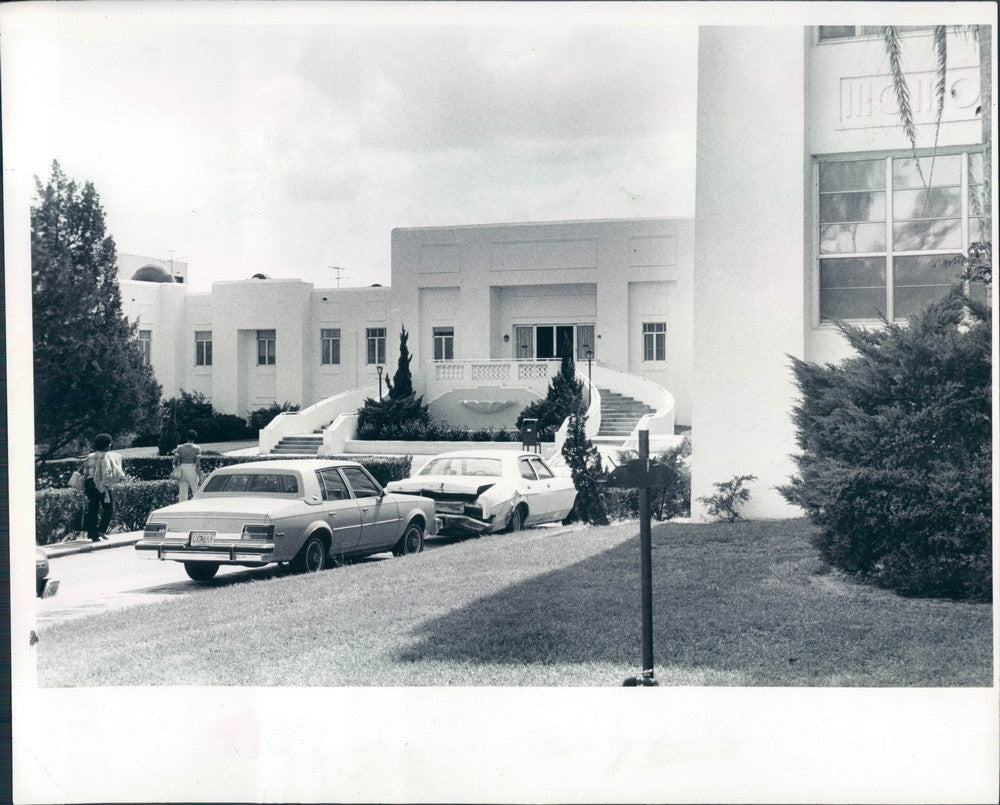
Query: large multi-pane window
x,y
203,348
329,340
654,341
146,346
265,347
444,343
375,337
889,230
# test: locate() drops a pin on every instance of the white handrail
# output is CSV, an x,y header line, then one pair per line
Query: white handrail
x,y
320,414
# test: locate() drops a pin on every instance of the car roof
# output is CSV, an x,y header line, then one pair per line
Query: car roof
x,y
485,454
301,464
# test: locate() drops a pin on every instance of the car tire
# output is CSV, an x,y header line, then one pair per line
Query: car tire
x,y
201,571
412,541
312,557
516,520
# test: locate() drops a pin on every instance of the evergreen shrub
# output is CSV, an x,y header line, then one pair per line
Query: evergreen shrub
x,y
895,468
665,504
587,470
563,398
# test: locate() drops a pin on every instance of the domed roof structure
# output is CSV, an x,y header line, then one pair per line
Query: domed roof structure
x,y
151,273
260,277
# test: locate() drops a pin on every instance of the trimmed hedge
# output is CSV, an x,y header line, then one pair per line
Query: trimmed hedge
x,y
55,508
55,474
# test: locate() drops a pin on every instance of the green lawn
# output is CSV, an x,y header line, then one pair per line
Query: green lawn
x,y
734,604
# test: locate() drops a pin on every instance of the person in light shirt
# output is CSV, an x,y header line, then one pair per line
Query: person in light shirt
x,y
186,471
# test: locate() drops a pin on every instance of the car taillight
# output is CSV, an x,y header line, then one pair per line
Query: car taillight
x,y
258,531
154,530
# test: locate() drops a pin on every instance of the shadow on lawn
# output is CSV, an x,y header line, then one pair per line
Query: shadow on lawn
x,y
743,604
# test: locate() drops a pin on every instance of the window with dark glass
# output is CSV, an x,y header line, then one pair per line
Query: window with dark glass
x,y
329,346
828,32
146,346
375,337
265,347
654,341
444,343
203,348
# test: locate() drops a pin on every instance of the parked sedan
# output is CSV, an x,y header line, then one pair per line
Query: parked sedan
x,y
304,512
491,490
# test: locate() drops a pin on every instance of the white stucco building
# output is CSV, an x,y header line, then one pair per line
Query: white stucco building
x,y
809,208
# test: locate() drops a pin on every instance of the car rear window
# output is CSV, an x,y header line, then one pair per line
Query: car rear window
x,y
464,465
251,482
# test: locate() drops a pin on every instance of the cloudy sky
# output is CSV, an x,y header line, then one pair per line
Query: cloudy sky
x,y
289,141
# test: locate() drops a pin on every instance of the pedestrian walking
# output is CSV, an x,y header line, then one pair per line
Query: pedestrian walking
x,y
101,470
186,471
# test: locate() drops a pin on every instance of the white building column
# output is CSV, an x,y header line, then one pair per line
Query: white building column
x,y
749,260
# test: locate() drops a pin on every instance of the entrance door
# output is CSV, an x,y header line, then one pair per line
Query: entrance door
x,y
553,341
524,342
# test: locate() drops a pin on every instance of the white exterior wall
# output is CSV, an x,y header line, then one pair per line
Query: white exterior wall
x,y
576,272
749,237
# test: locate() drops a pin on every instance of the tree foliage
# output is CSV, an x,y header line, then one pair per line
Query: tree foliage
x,y
401,412
563,398
896,464
89,375
584,462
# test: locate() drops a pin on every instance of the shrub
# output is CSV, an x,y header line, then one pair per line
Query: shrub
x,y
896,462
564,397
666,503
262,417
585,465
191,411
731,494
55,508
391,418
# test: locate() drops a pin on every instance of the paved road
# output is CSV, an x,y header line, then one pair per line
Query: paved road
x,y
105,580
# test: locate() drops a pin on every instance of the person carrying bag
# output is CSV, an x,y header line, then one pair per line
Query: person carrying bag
x,y
101,470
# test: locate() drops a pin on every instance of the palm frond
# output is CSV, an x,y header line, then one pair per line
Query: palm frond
x,y
941,53
902,90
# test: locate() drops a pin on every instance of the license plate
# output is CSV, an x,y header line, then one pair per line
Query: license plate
x,y
202,537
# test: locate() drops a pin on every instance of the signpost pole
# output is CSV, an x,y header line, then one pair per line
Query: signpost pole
x,y
646,566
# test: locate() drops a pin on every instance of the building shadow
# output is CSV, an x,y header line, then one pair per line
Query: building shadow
x,y
730,607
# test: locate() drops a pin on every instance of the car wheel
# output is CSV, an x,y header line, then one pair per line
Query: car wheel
x,y
201,571
312,557
412,541
516,520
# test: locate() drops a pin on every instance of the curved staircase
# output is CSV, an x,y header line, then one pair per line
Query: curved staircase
x,y
302,444
619,415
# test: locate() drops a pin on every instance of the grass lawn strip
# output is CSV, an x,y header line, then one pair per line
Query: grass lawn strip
x,y
734,604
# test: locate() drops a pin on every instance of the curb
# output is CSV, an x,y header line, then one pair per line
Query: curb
x,y
59,549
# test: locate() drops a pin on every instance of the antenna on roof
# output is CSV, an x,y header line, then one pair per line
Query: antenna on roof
x,y
338,269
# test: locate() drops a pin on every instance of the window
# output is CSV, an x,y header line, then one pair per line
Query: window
x,y
541,469
262,483
265,347
146,346
376,344
330,346
203,348
654,341
361,483
887,228
553,341
585,341
524,467
827,32
444,343
465,465
333,485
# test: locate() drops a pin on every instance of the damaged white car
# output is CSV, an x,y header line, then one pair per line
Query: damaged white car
x,y
485,491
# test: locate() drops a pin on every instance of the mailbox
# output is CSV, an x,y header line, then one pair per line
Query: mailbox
x,y
529,434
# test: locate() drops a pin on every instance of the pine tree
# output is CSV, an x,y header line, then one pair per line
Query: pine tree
x,y
585,464
563,398
402,381
89,374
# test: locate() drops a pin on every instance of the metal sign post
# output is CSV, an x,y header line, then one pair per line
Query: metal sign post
x,y
643,474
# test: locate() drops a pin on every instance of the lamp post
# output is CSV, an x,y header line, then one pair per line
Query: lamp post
x,y
590,360
379,369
